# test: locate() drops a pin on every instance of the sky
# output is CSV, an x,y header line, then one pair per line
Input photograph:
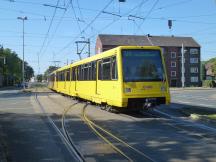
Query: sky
x,y
51,32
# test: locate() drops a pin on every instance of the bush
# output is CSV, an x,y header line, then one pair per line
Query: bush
x,y
209,83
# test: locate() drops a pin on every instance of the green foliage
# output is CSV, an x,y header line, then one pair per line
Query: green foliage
x,y
49,70
12,69
213,61
209,83
39,77
203,71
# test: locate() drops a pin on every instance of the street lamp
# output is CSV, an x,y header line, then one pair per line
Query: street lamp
x,y
23,64
182,65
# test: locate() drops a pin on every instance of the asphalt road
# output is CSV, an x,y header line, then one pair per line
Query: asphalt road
x,y
25,134
161,139
195,97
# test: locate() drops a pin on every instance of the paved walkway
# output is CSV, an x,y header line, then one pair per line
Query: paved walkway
x,y
26,136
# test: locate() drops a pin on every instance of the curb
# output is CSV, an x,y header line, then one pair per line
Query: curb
x,y
182,89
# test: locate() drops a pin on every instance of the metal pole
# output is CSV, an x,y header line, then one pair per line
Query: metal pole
x,y
23,65
182,67
38,64
88,47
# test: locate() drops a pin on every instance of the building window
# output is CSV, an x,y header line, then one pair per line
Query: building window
x,y
173,54
173,64
194,70
194,79
194,51
173,73
194,60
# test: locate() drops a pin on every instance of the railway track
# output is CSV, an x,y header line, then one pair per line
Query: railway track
x,y
109,138
182,123
62,134
116,143
177,123
102,132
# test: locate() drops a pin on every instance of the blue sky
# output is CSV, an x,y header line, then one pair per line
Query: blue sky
x,y
55,41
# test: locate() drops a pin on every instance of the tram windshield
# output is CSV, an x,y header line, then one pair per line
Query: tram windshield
x,y
142,65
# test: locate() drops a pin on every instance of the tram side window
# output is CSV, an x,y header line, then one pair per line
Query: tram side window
x,y
82,72
62,76
73,73
57,77
90,71
100,70
106,69
68,75
114,69
85,72
79,72
93,69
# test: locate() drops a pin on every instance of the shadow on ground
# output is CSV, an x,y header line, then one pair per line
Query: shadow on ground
x,y
26,137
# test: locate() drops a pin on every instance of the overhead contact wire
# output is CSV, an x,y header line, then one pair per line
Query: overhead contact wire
x,y
51,22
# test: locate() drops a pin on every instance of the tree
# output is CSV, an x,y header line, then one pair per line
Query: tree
x,y
49,70
39,77
29,72
12,70
203,70
212,61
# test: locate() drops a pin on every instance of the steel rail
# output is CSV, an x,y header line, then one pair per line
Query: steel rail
x,y
202,126
71,148
93,125
94,128
66,132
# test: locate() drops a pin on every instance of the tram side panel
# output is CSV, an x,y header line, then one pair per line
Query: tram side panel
x,y
109,83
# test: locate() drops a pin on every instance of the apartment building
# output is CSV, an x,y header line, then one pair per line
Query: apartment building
x,y
171,48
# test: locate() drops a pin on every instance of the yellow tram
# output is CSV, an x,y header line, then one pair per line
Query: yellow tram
x,y
126,76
